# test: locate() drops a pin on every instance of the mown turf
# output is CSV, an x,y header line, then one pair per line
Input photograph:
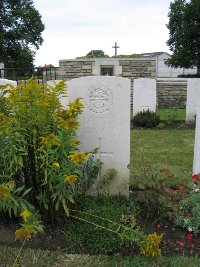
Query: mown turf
x,y
44,258
171,115
169,148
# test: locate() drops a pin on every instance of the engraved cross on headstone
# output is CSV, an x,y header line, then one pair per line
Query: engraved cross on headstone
x,y
116,48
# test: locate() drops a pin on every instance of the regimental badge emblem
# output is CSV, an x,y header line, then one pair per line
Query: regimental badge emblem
x,y
99,98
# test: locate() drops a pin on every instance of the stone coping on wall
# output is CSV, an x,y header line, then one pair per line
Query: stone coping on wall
x,y
172,80
106,58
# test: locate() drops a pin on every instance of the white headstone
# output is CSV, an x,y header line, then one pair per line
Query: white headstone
x,y
193,98
63,99
5,81
196,159
105,123
1,70
144,95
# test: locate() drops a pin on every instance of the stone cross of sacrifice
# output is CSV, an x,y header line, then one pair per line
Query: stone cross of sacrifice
x,y
116,48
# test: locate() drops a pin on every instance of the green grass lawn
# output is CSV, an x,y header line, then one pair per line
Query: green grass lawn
x,y
168,148
171,115
45,258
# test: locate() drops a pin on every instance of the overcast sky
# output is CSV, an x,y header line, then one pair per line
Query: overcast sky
x,y
75,27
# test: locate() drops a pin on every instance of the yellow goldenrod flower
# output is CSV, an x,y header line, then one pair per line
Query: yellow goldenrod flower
x,y
3,118
68,124
151,248
23,234
25,215
72,124
62,114
70,178
51,140
56,164
5,193
78,157
75,107
9,184
75,143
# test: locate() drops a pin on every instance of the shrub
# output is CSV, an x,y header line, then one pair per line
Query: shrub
x,y
146,119
83,234
41,166
188,215
159,191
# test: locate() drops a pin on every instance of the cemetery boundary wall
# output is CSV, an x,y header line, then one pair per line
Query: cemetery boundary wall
x,y
171,92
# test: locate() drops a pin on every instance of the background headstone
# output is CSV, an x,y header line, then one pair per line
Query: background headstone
x,y
1,70
5,81
193,98
196,159
144,95
105,123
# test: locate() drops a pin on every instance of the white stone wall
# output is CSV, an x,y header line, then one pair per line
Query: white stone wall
x,y
164,71
104,62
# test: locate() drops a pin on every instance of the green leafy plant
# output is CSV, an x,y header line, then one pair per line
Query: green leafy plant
x,y
188,215
40,163
158,191
106,179
146,119
99,225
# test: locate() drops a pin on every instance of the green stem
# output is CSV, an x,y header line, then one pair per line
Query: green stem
x,y
97,225
122,234
18,255
95,216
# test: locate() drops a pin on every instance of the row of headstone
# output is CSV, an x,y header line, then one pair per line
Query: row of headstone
x,y
144,95
105,122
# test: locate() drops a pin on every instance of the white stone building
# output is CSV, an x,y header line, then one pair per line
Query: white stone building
x,y
164,71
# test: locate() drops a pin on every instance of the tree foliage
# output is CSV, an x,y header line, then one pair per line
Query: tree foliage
x,y
20,32
184,34
101,54
96,53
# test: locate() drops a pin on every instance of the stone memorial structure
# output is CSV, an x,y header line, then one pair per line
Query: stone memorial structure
x,y
193,98
144,95
105,123
196,159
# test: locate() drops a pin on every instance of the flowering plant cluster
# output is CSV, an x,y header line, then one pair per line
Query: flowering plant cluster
x,y
41,166
151,248
188,215
196,182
